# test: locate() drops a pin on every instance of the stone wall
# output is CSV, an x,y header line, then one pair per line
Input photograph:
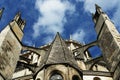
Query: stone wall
x,y
10,48
109,42
67,72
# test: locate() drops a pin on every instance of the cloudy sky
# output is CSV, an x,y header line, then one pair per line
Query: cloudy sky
x,y
68,17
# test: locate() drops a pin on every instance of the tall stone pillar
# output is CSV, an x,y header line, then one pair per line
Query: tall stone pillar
x,y
10,47
109,41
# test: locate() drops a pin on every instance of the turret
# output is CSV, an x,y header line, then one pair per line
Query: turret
x,y
109,41
19,21
99,18
97,13
17,25
10,47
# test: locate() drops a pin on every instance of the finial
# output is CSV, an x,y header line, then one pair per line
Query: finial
x,y
70,37
19,13
97,6
98,9
58,33
17,16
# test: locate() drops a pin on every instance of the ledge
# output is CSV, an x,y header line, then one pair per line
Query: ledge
x,y
98,73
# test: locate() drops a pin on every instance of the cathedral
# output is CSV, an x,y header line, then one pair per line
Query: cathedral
x,y
61,59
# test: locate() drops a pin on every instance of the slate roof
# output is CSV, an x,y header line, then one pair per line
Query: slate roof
x,y
59,53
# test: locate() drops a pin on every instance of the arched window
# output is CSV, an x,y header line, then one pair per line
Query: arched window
x,y
96,78
75,77
56,76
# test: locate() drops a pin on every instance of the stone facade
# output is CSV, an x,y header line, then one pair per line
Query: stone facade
x,y
10,48
109,39
61,59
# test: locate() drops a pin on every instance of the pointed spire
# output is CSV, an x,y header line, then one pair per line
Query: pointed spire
x,y
97,13
1,12
98,9
97,6
17,16
59,53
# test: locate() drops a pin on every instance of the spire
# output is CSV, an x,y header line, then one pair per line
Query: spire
x,y
1,12
17,16
97,13
97,6
59,53
98,9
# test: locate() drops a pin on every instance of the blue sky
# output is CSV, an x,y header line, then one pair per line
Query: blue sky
x,y
69,17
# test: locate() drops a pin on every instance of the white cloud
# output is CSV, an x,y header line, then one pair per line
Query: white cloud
x,y
79,35
52,16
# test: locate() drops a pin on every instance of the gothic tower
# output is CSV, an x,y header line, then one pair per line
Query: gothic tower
x,y
10,47
108,40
